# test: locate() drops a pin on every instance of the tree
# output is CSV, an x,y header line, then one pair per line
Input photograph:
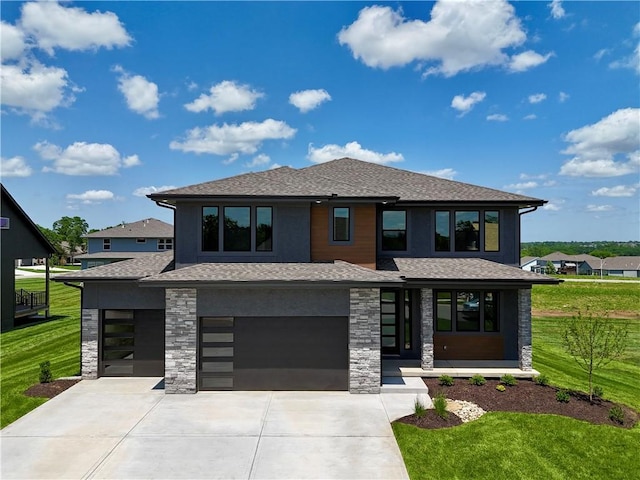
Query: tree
x,y
549,269
71,230
55,241
593,341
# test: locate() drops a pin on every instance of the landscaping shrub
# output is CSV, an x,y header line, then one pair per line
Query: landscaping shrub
x,y
616,414
598,391
477,380
562,396
501,388
45,372
542,380
419,409
440,404
508,380
445,380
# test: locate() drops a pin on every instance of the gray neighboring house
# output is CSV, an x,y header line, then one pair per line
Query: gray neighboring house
x,y
126,241
20,238
314,279
582,264
623,266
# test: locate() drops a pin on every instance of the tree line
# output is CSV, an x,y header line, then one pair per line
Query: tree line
x,y
67,237
601,249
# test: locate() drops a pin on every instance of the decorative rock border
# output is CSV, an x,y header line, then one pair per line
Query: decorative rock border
x,y
466,411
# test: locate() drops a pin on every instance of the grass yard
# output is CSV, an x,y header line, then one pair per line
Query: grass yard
x,y
22,350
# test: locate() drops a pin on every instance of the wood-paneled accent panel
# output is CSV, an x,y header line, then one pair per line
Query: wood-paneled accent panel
x,y
468,347
362,251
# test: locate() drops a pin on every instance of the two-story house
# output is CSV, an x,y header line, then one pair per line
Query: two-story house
x,y
126,241
312,278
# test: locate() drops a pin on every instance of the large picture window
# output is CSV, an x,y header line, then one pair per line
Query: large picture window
x,y
237,229
394,230
472,231
467,311
242,229
341,224
467,231
210,227
491,231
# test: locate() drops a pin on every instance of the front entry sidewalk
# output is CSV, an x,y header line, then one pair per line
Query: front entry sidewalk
x,y
124,428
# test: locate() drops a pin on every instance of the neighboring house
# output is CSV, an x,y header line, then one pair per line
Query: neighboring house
x,y
623,266
571,264
533,264
68,258
312,279
126,241
20,238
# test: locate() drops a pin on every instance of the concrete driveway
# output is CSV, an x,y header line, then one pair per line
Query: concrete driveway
x,y
124,428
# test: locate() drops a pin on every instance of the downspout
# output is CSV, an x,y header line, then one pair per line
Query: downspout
x,y
531,210
81,288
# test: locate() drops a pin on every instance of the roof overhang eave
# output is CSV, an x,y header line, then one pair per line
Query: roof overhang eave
x,y
270,283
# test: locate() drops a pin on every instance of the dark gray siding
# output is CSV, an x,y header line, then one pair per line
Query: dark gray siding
x,y
291,230
122,296
266,302
509,326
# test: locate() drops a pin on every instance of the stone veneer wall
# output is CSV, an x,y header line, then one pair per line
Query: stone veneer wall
x,y
181,340
525,354
426,326
365,367
90,327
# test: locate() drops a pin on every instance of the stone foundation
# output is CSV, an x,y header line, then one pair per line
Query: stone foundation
x,y
525,354
90,354
426,326
181,341
365,367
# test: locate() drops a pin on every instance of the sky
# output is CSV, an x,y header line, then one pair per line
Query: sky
x,y
105,102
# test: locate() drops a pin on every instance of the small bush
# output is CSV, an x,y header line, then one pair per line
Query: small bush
x,y
440,404
477,380
598,391
562,396
419,409
508,380
616,414
542,380
501,388
445,380
45,372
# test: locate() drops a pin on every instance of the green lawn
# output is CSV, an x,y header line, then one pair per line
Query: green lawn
x,y
22,350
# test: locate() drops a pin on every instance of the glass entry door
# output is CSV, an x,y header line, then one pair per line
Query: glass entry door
x,y
389,321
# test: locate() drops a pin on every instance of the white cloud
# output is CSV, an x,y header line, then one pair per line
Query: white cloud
x,y
259,160
447,173
525,176
497,117
14,167
599,208
35,89
352,150
460,36
274,166
597,148
307,100
83,158
531,116
563,97
141,94
521,186
55,26
91,197
553,205
465,104
632,61
601,53
12,41
617,191
227,139
526,60
537,98
557,11
226,96
144,191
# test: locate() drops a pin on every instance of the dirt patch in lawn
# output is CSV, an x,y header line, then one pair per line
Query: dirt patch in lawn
x,y
525,397
51,389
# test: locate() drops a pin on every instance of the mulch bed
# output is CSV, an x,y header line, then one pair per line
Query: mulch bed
x,y
51,389
525,397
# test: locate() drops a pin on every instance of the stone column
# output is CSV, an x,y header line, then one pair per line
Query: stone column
x,y
426,327
525,355
181,340
365,368
90,328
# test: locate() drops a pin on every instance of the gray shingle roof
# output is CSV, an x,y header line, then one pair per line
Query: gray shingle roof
x,y
559,256
347,178
133,269
620,263
460,270
270,273
147,228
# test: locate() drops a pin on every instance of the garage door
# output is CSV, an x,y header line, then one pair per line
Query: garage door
x,y
132,343
273,353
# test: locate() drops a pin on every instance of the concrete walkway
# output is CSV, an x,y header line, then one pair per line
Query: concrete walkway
x,y
124,428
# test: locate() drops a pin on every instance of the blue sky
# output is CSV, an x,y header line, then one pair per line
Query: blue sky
x,y
103,102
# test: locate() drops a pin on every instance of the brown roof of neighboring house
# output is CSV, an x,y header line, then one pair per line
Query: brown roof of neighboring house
x,y
346,178
147,228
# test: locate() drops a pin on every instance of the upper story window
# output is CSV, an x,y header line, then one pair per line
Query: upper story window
x,y
165,244
240,228
394,230
106,244
469,233
341,224
141,240
470,311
